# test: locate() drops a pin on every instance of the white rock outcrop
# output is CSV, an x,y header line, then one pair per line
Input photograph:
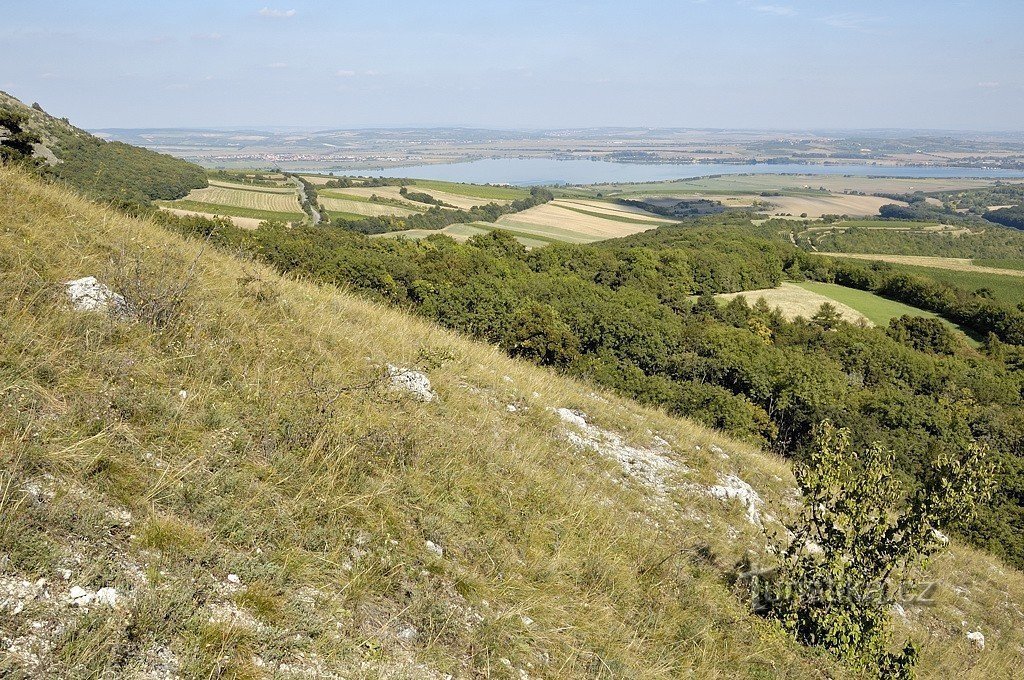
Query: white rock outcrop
x,y
649,466
89,295
415,383
731,487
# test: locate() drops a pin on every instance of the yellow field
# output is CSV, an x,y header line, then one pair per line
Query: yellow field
x,y
243,222
270,200
366,208
794,301
954,263
613,209
459,201
831,204
557,222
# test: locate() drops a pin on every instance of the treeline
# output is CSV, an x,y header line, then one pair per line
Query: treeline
x,y
1008,217
437,217
987,242
420,197
624,316
346,182
971,310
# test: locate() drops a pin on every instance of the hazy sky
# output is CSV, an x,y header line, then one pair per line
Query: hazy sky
x,y
710,63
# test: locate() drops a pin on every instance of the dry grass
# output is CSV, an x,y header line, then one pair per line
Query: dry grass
x,y
953,263
795,301
208,433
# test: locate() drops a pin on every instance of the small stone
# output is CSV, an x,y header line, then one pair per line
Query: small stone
x,y
527,621
434,548
408,633
65,574
977,638
106,596
80,597
511,408
233,578
183,394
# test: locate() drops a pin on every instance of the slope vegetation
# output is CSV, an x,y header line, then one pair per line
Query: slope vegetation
x,y
105,170
233,474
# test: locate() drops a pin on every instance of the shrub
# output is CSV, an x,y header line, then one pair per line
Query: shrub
x,y
858,543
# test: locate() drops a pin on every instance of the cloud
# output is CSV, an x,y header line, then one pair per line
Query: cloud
x,y
776,10
277,13
277,64
344,73
988,84
208,36
849,20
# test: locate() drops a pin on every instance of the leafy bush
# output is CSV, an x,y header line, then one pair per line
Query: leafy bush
x,y
858,544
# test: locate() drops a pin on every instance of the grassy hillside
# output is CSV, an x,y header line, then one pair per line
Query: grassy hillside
x,y
105,170
233,460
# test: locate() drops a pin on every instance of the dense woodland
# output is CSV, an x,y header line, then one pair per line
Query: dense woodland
x,y
637,315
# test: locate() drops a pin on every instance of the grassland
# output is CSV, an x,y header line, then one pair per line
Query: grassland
x,y
876,308
997,263
258,496
794,300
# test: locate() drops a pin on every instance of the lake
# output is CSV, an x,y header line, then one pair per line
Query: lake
x,y
527,171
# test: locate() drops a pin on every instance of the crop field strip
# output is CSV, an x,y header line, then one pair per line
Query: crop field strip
x,y
560,223
951,263
488,192
269,201
243,222
364,208
230,210
251,187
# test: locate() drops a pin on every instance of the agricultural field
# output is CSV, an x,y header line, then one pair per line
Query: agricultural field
x,y
876,308
463,232
804,298
241,201
565,222
958,264
485,191
793,301
360,207
242,222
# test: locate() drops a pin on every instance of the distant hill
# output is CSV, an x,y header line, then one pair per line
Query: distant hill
x,y
104,170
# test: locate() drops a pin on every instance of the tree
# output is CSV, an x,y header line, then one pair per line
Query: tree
x,y
860,540
16,144
827,316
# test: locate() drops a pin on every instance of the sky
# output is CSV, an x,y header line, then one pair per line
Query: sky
x,y
762,64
